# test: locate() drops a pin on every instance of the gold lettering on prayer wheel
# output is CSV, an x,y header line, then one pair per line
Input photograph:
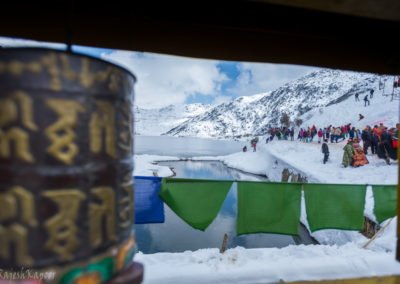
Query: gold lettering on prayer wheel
x,y
99,212
103,120
126,214
16,233
61,133
61,228
18,135
66,164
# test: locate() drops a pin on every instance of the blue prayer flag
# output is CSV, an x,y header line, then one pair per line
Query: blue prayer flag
x,y
149,208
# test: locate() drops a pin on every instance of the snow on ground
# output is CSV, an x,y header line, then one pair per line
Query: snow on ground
x,y
145,165
307,158
272,265
340,254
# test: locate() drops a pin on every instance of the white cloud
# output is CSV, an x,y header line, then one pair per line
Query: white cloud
x,y
255,78
164,80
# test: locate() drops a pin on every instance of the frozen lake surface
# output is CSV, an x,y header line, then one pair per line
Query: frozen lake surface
x,y
185,146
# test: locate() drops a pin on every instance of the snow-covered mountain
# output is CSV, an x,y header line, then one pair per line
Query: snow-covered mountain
x,y
158,121
253,115
322,98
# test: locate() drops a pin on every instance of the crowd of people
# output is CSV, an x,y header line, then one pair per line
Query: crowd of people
x,y
380,139
307,135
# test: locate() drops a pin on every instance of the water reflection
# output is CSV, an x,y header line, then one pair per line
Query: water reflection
x,y
176,236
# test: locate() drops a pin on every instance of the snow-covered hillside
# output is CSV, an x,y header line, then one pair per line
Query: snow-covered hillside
x,y
158,121
311,98
382,109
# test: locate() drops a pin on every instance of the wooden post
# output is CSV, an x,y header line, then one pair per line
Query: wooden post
x,y
224,244
377,234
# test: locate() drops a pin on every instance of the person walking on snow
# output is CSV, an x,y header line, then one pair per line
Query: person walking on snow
x,y
325,150
366,138
356,96
338,133
333,130
371,93
352,132
348,154
254,146
327,131
320,134
366,100
374,143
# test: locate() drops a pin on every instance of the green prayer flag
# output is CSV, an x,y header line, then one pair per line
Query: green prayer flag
x,y
385,198
195,201
267,207
335,206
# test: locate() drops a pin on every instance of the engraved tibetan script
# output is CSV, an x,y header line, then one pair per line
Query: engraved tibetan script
x,y
61,133
8,115
61,228
16,233
126,214
126,137
103,120
99,212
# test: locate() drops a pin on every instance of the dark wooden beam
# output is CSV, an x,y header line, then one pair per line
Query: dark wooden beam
x,y
224,30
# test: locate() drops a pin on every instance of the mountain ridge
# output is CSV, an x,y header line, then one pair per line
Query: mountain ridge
x,y
254,115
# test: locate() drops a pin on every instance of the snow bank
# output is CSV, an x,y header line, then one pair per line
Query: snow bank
x,y
292,263
145,165
307,158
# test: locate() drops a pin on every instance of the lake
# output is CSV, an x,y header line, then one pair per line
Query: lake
x,y
185,146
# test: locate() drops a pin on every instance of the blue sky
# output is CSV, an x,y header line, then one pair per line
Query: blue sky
x,y
164,79
232,72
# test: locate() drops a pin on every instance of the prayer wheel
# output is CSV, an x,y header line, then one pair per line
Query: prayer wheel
x,y
66,165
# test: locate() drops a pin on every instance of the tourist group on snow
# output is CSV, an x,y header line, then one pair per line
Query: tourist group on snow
x,y
380,139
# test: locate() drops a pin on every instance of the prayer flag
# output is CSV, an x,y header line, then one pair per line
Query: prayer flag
x,y
149,208
195,201
385,199
267,207
335,206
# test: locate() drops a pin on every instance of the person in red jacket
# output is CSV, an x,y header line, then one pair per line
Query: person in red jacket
x,y
320,134
344,131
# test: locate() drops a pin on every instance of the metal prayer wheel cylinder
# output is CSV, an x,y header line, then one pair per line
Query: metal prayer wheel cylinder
x,y
66,165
